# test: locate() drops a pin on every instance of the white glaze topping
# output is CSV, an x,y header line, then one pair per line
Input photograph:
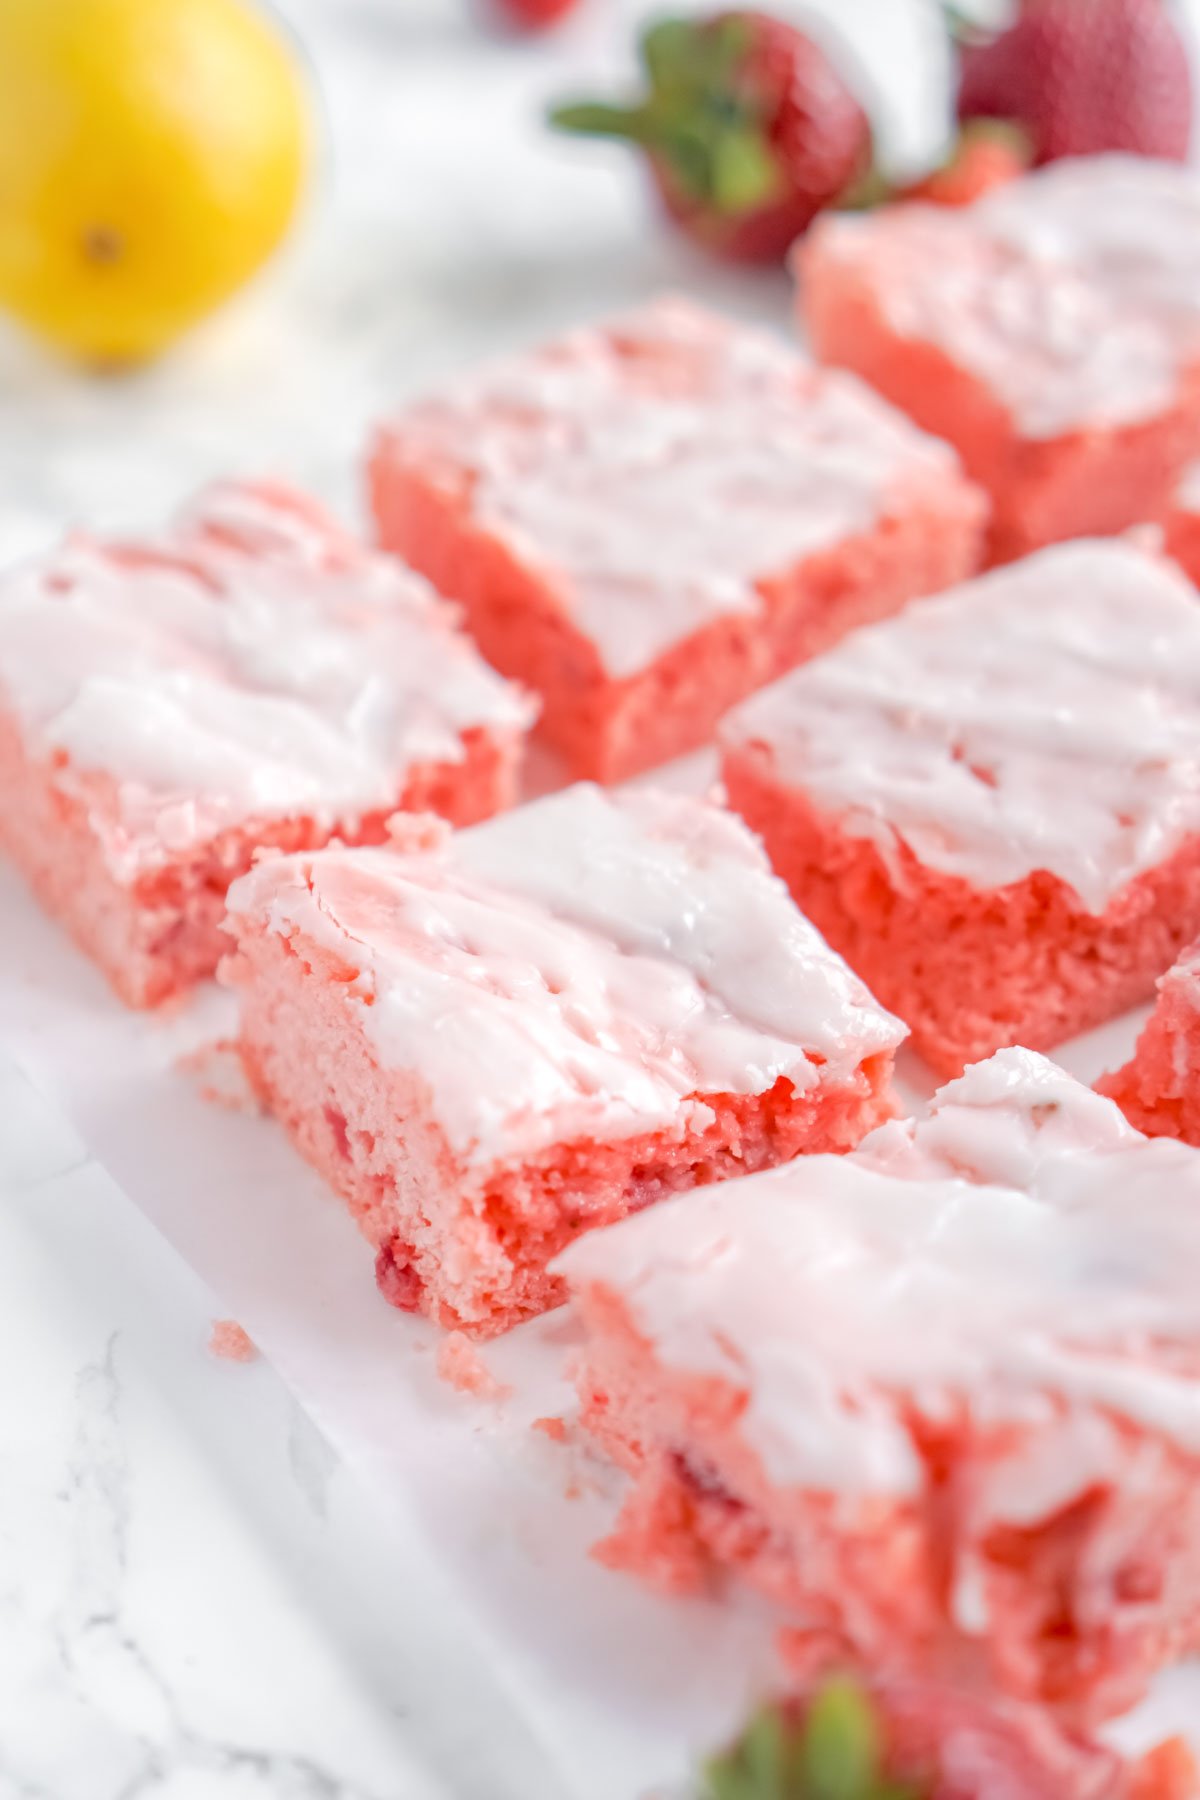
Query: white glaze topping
x,y
255,664
1043,717
656,469
581,966
1074,294
1020,1249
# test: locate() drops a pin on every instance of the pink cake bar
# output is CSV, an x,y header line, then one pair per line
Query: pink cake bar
x,y
991,805
647,520
541,1025
1159,1088
1051,332
255,677
938,1398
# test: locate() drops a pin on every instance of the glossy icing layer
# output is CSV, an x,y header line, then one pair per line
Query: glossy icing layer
x,y
1074,294
578,967
1020,1250
1043,717
255,664
655,469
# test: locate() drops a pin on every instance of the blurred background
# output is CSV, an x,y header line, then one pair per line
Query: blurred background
x,y
443,220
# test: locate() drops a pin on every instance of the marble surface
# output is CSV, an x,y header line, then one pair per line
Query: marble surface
x,y
195,1598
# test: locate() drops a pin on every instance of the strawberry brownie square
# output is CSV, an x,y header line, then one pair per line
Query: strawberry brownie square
x,y
646,520
494,1042
1051,332
1158,1089
937,1398
252,677
991,805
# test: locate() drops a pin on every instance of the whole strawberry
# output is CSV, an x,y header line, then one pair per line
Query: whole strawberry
x,y
748,128
1084,76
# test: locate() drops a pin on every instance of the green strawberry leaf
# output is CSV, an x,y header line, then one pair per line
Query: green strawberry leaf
x,y
666,50
833,1752
695,118
839,1751
744,174
764,1752
594,118
698,55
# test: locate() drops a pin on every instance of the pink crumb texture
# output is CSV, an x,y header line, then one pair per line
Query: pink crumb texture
x,y
231,1343
1050,332
220,1079
461,1366
987,805
558,1018
252,679
1158,1089
936,1398
648,519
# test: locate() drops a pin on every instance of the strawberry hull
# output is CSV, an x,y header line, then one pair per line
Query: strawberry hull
x,y
748,130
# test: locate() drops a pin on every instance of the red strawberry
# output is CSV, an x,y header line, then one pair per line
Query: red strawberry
x,y
1085,76
535,15
988,154
748,127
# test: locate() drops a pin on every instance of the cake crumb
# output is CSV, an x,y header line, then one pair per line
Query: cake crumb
x,y
459,1363
232,1342
553,1427
416,831
220,1077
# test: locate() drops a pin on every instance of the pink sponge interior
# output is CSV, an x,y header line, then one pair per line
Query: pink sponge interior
x,y
969,970
471,1248
1159,1088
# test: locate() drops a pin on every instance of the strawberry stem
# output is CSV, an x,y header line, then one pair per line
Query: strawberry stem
x,y
592,118
693,118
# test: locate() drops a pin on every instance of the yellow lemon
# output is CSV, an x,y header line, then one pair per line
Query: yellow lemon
x,y
152,153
